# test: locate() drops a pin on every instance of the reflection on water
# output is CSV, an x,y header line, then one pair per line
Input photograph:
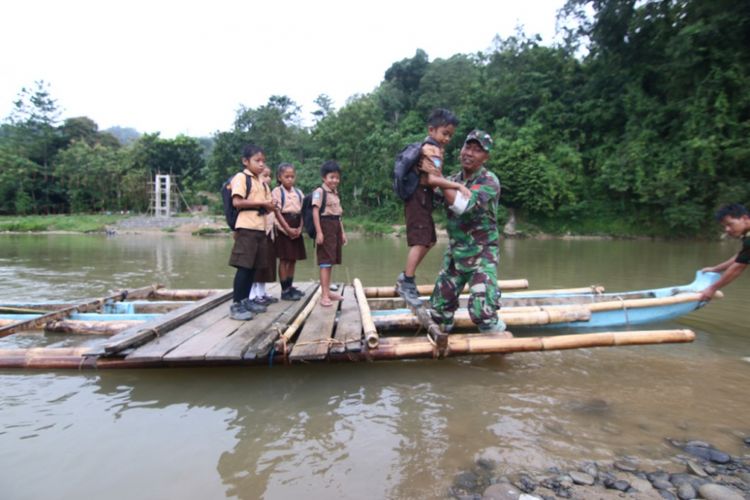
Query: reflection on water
x,y
385,430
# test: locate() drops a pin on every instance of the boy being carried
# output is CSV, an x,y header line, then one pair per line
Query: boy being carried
x,y
420,227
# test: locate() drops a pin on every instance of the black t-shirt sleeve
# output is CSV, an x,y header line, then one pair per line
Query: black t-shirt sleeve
x,y
744,256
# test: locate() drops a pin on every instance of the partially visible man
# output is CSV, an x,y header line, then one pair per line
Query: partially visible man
x,y
473,252
735,219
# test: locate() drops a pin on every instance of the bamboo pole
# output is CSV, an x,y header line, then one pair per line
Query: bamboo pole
x,y
63,313
614,305
408,321
80,327
390,348
461,345
390,291
368,326
591,290
285,337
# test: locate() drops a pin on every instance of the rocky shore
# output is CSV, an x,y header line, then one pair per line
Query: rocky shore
x,y
701,471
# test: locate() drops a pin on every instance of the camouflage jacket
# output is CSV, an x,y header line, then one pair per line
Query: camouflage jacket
x,y
474,233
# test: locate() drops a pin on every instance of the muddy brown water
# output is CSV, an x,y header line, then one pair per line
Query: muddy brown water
x,y
384,430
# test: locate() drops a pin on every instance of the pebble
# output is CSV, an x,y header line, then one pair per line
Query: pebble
x,y
620,485
658,475
696,469
747,441
661,484
625,466
685,491
640,485
581,478
591,469
466,481
718,492
501,491
667,495
708,453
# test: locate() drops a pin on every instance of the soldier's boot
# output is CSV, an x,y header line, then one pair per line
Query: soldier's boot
x,y
408,291
497,329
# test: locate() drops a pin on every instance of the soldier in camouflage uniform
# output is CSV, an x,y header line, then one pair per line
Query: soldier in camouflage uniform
x,y
473,252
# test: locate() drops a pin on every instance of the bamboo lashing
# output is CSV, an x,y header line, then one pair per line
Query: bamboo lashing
x,y
65,312
368,325
390,291
295,325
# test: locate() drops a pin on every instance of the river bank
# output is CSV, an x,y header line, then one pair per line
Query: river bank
x,y
206,225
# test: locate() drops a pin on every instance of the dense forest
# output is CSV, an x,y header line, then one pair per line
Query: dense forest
x,y
638,122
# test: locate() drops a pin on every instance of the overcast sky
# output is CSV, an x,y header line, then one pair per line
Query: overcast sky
x,y
185,67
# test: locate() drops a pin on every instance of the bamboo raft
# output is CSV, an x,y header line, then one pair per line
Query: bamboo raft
x,y
193,328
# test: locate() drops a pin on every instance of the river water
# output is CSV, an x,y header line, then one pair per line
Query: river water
x,y
384,430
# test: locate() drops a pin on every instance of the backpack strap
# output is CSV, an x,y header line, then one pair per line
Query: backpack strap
x,y
283,197
248,187
299,194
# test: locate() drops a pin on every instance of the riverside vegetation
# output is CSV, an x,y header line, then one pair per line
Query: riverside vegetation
x,y
635,123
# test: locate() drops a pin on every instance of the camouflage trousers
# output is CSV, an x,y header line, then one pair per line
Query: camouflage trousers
x,y
484,297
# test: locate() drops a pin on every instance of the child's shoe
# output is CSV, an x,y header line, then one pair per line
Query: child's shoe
x,y
289,294
237,311
253,306
297,291
269,299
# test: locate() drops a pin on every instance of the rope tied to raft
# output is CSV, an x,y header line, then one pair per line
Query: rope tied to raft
x,y
625,309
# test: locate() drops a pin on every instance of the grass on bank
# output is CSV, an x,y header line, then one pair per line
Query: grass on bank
x,y
74,223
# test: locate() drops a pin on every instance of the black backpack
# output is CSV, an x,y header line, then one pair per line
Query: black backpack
x,y
405,176
231,213
307,212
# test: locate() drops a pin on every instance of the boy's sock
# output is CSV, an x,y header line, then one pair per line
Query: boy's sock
x,y
286,284
408,279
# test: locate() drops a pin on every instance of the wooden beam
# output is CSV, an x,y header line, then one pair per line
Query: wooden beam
x,y
315,338
349,325
143,333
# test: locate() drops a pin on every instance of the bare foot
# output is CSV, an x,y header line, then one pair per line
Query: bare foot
x,y
325,302
335,296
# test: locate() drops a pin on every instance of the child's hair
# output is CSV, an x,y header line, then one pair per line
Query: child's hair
x,y
329,167
251,150
733,210
441,117
283,167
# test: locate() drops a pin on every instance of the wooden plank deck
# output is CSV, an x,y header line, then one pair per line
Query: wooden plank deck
x,y
314,339
143,333
160,346
349,325
261,332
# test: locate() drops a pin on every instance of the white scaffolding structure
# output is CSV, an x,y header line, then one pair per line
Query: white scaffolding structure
x,y
164,200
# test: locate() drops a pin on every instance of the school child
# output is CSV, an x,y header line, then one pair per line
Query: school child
x,y
420,226
735,219
249,250
329,228
289,247
267,274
